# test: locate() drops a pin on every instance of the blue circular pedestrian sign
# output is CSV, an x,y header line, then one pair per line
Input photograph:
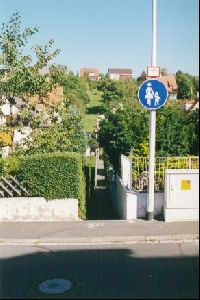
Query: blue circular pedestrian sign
x,y
152,94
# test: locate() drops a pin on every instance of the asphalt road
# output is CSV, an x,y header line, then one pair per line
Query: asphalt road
x,y
137,271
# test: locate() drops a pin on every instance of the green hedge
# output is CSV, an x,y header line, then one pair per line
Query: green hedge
x,y
89,171
1,166
53,176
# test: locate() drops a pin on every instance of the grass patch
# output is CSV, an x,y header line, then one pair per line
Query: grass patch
x,y
94,108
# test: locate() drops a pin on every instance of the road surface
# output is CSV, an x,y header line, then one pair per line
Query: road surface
x,y
131,271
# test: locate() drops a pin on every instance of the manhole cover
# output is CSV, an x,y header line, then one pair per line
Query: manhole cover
x,y
55,286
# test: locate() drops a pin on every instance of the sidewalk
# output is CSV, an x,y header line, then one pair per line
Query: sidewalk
x,y
102,230
97,232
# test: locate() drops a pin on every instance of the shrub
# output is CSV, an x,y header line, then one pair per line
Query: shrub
x,y
53,176
90,176
1,166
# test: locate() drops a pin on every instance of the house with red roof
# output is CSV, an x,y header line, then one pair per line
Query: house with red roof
x,y
117,74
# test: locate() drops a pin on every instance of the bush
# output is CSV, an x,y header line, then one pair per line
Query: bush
x,y
53,176
90,165
1,166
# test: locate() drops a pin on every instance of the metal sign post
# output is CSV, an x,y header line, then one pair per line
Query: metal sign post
x,y
152,129
152,95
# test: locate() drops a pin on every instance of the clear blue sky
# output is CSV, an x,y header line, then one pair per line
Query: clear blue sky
x,y
113,33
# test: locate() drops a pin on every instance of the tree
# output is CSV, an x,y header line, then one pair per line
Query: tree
x,y
115,93
76,91
122,130
177,134
187,85
142,77
64,134
23,77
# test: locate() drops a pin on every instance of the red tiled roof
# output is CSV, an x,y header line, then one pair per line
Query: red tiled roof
x,y
170,82
87,71
120,71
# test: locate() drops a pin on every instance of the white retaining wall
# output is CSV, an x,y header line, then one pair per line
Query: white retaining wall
x,y
37,208
175,204
132,205
125,201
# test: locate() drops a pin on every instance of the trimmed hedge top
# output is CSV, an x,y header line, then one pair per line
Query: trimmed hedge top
x,y
53,176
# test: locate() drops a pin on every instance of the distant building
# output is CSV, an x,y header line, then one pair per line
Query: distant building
x,y
117,74
192,104
170,83
92,73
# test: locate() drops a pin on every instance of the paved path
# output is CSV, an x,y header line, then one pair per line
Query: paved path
x,y
102,203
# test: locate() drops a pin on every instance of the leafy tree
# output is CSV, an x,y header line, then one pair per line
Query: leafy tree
x,y
23,77
76,91
177,134
64,134
122,130
187,85
142,77
119,92
193,127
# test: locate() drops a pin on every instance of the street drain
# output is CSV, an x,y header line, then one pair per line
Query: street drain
x,y
55,286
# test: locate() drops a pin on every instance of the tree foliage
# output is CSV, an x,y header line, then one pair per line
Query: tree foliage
x,y
188,85
123,128
34,76
177,133
121,131
142,77
116,93
23,77
64,134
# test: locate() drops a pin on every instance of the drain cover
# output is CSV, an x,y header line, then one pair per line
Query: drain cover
x,y
55,286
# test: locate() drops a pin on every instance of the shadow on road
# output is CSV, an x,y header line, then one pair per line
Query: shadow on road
x,y
101,274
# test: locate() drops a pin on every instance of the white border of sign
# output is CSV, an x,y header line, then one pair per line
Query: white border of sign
x,y
153,108
153,71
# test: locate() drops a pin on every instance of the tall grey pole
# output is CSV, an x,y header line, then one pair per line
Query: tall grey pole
x,y
152,129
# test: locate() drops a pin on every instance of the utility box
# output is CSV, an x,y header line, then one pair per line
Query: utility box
x,y
181,195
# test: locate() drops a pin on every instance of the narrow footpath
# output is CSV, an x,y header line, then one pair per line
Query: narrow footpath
x,y
102,202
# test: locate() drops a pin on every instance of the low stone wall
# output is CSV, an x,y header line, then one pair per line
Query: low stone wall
x,y
124,201
132,205
37,208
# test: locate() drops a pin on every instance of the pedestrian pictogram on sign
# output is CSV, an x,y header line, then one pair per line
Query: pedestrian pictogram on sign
x,y
152,94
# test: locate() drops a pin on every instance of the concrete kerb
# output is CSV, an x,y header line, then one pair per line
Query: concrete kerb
x,y
184,238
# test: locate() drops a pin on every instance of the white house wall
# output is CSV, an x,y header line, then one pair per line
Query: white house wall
x,y
114,76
